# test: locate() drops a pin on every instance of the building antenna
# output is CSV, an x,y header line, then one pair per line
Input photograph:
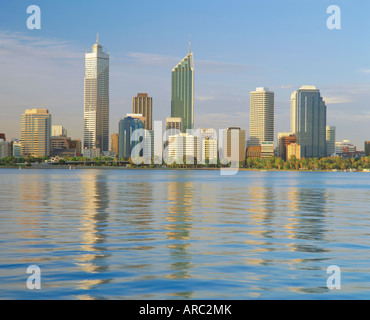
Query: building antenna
x,y
97,38
189,43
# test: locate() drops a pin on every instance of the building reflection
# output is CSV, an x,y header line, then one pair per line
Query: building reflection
x,y
93,224
34,203
179,225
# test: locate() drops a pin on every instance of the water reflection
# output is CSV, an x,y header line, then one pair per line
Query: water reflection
x,y
93,224
179,225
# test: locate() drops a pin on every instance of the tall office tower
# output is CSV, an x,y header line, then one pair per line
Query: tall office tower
x,y
126,127
36,133
182,92
308,121
261,117
96,101
367,148
330,140
142,104
234,149
57,131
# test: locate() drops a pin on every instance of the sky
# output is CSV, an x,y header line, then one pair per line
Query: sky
x,y
237,46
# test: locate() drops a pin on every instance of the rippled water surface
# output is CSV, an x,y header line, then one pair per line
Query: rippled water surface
x,y
156,234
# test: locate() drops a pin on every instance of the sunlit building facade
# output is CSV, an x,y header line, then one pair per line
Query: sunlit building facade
x,y
36,133
96,99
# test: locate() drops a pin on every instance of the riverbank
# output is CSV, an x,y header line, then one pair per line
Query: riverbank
x,y
66,167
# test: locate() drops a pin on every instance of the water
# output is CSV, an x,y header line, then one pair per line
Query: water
x,y
156,234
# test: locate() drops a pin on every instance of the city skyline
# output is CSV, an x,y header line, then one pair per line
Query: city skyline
x,y
225,73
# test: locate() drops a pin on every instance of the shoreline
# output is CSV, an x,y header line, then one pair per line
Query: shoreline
x,y
66,167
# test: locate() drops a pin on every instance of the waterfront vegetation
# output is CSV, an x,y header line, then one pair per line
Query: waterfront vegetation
x,y
272,163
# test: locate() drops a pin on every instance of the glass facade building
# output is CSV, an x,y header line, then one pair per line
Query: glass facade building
x,y
126,127
308,121
182,92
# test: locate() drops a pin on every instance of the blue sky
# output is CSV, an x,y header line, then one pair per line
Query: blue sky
x,y
237,45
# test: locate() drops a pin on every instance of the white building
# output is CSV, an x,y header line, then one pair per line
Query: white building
x,y
183,145
330,140
57,131
91,153
261,117
96,100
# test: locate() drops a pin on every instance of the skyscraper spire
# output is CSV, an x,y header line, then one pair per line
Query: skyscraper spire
x,y
189,43
97,38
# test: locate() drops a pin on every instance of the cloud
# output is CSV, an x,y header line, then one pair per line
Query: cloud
x,y
337,99
364,70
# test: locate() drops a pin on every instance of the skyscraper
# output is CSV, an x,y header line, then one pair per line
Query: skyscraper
x,y
142,104
182,92
261,117
330,140
96,100
36,133
308,121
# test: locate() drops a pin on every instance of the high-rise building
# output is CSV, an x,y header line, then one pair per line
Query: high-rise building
x,y
126,128
114,143
57,131
308,121
234,146
142,104
182,92
367,148
330,140
36,133
2,136
261,116
96,100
